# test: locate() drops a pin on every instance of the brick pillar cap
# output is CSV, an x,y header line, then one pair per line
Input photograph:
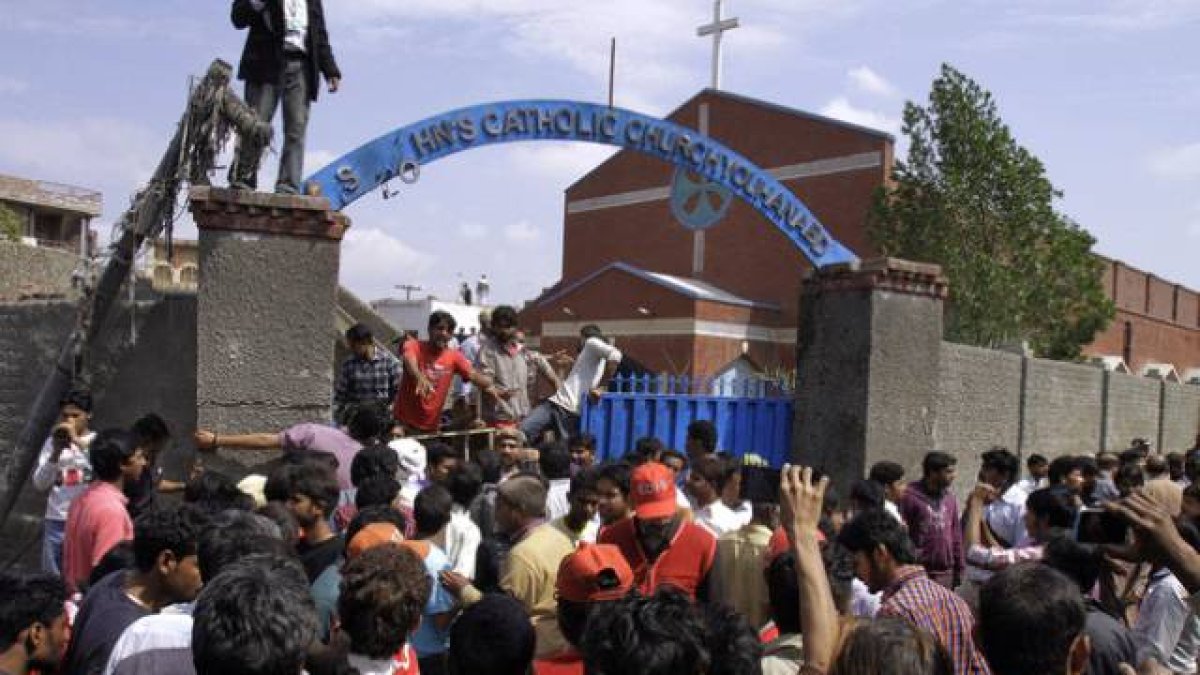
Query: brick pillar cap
x,y
892,274
246,211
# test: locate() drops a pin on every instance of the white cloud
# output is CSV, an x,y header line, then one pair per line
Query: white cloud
x,y
112,155
868,81
1179,163
522,231
841,108
472,231
374,261
12,85
559,164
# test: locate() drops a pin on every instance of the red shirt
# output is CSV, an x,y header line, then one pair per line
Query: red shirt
x,y
97,521
569,662
439,368
685,563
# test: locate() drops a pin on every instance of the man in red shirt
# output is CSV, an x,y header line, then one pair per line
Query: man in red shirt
x,y
660,546
592,576
98,519
429,370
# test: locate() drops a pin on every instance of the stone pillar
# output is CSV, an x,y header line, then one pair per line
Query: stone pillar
x,y
265,310
869,349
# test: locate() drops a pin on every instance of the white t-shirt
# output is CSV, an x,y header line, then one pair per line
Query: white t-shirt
x,y
717,518
557,503
66,479
585,374
460,540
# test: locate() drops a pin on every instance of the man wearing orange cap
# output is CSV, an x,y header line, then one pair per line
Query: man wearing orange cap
x,y
592,576
661,547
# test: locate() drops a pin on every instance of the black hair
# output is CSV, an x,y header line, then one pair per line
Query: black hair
x,y
618,473
364,423
573,619
278,486
376,491
590,331
465,483
1062,467
582,441
109,450
359,332
583,481
255,618
1089,466
554,460
437,452
278,513
376,459
26,599
118,558
489,464
868,494
1000,459
381,599
150,429
1036,460
1130,476
1029,616
431,509
703,432
318,483
234,535
885,472
663,634
716,470
937,461
783,593
839,569
443,318
1054,504
871,529
1079,562
492,636
504,315
167,528
80,398
374,514
734,645
214,492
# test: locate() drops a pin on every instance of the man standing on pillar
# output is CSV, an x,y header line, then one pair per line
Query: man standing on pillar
x,y
287,51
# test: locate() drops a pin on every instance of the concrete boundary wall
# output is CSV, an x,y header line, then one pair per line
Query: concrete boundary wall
x,y
1028,405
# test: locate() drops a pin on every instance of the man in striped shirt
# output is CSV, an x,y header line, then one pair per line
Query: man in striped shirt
x,y
884,558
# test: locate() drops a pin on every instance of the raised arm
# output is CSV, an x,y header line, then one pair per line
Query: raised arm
x,y
211,440
801,501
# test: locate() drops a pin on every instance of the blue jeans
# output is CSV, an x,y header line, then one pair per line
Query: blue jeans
x,y
264,98
52,545
547,415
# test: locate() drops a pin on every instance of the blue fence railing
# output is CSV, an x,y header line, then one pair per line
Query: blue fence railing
x,y
751,415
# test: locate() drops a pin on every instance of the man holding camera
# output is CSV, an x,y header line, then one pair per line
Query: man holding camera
x,y
64,469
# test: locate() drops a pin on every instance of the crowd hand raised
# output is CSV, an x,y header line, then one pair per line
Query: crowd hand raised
x,y
982,494
1156,539
205,440
801,501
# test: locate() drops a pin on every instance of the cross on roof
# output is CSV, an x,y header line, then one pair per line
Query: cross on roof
x,y
716,29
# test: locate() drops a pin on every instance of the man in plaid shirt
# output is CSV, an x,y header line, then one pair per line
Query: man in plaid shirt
x,y
371,375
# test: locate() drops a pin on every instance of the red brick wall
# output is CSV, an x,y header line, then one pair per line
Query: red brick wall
x,y
1163,320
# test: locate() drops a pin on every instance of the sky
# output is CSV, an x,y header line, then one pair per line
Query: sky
x,y
1105,92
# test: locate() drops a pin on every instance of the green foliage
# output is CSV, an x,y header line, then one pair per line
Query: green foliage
x,y
974,201
10,224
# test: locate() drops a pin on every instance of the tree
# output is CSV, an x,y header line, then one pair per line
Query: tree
x,y
974,201
10,224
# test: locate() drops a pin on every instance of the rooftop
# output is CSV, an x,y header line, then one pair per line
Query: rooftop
x,y
70,198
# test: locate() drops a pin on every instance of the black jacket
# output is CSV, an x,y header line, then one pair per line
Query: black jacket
x,y
262,58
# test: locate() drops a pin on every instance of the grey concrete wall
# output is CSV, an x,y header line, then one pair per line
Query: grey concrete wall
x,y
1180,417
35,272
1131,410
1063,408
265,360
979,403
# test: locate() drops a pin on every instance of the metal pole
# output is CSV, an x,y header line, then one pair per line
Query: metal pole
x,y
612,70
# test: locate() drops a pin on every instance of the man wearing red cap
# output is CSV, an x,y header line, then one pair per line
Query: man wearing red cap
x,y
592,576
660,546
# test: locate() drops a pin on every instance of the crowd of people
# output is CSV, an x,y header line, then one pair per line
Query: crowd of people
x,y
372,547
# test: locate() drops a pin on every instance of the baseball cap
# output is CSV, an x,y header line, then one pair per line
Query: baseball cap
x,y
594,573
652,490
375,534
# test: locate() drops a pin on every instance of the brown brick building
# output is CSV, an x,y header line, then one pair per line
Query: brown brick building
x,y
699,305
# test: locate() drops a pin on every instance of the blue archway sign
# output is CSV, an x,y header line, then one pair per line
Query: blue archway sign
x,y
402,152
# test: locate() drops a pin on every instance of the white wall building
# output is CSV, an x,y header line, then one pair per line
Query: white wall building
x,y
414,314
